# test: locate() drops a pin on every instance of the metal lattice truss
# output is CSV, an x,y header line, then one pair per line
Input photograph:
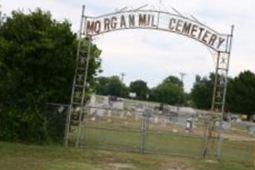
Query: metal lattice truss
x,y
141,18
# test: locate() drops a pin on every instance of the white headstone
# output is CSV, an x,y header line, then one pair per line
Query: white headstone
x,y
109,113
156,120
93,118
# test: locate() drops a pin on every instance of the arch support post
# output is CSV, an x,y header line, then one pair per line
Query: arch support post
x,y
75,116
214,125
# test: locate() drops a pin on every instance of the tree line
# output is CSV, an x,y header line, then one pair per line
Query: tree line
x,y
240,96
169,91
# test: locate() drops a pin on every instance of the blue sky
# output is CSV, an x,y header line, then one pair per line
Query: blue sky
x,y
153,55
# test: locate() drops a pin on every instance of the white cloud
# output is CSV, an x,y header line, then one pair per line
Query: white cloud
x,y
152,55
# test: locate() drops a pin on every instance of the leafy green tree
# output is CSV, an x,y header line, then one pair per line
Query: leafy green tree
x,y
114,86
101,85
201,93
37,61
111,86
188,100
140,88
241,93
174,80
170,91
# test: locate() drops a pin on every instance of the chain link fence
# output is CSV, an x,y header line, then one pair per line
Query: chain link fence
x,y
148,130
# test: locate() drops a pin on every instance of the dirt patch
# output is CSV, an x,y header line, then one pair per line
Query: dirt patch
x,y
121,166
230,135
237,137
176,165
211,161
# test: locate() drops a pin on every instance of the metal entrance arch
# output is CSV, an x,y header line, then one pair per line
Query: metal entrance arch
x,y
190,27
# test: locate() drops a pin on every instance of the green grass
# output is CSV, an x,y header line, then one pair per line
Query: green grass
x,y
167,143
167,150
15,156
124,134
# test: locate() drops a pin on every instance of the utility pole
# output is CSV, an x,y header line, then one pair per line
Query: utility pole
x,y
182,74
122,81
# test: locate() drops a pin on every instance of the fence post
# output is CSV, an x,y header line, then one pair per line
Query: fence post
x,y
145,127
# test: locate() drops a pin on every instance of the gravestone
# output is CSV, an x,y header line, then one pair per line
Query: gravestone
x,y
251,130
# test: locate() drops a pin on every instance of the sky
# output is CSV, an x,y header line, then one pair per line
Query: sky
x,y
153,55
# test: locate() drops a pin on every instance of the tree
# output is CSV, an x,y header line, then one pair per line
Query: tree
x,y
140,88
170,91
101,87
37,61
174,80
111,86
114,86
201,93
241,93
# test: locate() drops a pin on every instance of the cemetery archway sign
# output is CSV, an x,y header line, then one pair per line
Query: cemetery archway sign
x,y
190,27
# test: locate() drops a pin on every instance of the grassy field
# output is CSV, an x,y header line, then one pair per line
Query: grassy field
x,y
114,143
15,156
116,135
